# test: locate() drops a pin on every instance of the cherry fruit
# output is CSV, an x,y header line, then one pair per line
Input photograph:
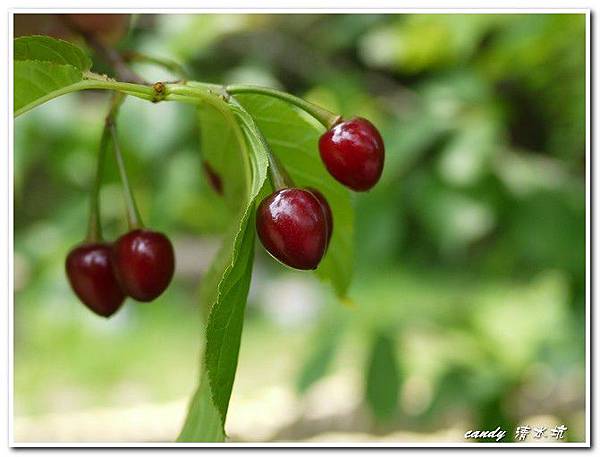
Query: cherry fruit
x,y
353,152
144,263
292,226
92,278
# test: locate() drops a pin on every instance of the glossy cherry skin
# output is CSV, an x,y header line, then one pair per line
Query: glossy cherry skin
x,y
144,263
92,278
326,210
353,152
292,227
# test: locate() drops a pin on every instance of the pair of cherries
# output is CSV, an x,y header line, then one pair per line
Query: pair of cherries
x,y
295,225
140,264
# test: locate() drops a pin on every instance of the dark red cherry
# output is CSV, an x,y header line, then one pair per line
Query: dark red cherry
x,y
326,209
292,227
353,152
144,263
213,177
92,278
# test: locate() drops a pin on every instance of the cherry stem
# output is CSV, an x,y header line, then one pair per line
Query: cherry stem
x,y
94,233
325,117
134,219
278,175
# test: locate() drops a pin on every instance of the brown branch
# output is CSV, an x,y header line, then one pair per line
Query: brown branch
x,y
109,55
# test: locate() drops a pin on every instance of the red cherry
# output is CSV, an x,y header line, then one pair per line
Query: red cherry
x,y
293,228
353,152
144,263
92,278
326,209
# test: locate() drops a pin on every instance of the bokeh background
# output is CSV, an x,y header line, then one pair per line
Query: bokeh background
x,y
469,292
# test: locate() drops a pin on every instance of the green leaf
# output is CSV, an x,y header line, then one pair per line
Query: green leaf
x,y
203,422
225,288
36,81
45,68
383,377
218,144
293,138
47,49
208,408
225,321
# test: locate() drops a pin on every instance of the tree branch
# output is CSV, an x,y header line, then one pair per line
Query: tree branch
x,y
109,55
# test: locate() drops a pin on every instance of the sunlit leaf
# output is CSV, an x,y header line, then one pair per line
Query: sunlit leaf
x,y
47,49
44,68
36,80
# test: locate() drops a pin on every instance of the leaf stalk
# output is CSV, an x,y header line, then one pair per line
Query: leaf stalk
x,y
134,219
325,117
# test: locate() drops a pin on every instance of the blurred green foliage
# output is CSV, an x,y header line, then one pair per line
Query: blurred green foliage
x,y
470,284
